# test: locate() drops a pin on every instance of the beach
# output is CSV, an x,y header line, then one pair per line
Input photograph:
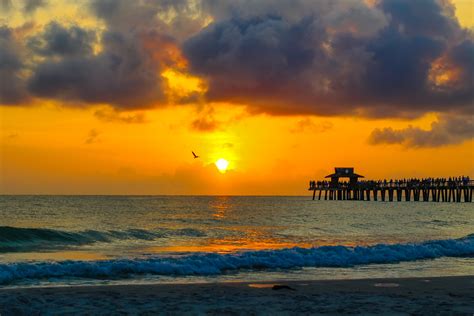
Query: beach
x,y
396,296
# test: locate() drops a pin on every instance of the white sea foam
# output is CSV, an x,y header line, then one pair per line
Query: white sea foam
x,y
214,264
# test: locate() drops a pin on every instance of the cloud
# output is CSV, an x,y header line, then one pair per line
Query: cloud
x,y
205,120
325,58
92,137
338,15
124,75
120,65
5,5
307,125
422,17
205,124
12,87
32,5
111,115
385,58
448,130
56,40
178,18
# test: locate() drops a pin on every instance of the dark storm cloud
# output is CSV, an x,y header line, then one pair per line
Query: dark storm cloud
x,y
259,58
327,62
344,57
461,55
422,17
448,130
62,41
12,87
120,65
123,74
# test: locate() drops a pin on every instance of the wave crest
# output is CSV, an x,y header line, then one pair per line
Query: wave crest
x,y
18,239
214,264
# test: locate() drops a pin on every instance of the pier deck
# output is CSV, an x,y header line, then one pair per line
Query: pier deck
x,y
453,191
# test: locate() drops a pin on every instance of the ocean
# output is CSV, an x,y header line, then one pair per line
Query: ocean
x,y
92,240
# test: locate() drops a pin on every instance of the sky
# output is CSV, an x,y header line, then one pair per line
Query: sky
x,y
112,96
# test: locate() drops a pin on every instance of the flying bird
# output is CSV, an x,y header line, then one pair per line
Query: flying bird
x,y
195,156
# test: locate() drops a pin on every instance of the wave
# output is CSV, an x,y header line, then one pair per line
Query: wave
x,y
215,264
17,239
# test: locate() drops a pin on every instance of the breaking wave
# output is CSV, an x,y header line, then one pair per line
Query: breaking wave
x,y
15,239
215,264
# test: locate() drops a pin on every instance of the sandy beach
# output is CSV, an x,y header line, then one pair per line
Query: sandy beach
x,y
429,296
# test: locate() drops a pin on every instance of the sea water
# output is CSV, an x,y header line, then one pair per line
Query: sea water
x,y
62,240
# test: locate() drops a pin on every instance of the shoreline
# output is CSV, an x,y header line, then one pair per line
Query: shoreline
x,y
427,295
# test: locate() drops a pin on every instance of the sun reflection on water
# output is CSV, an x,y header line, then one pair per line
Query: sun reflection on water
x,y
220,206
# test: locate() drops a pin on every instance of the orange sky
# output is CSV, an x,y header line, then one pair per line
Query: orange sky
x,y
48,146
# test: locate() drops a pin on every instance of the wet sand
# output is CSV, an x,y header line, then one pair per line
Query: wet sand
x,y
427,296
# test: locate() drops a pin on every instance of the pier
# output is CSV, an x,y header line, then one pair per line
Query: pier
x,y
457,189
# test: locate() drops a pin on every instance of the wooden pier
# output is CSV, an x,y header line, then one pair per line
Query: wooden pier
x,y
426,190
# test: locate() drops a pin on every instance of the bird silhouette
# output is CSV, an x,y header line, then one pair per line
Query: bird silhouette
x,y
195,156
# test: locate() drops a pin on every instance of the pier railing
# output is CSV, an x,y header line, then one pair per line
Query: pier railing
x,y
436,190
394,185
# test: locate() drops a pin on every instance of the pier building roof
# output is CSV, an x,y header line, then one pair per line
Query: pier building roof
x,y
344,172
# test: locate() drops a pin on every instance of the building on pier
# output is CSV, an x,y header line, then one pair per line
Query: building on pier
x,y
344,173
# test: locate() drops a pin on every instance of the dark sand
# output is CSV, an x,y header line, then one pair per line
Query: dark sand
x,y
424,296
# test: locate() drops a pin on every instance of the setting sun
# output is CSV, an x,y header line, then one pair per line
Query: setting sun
x,y
222,165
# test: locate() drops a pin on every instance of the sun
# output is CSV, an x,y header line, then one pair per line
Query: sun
x,y
222,165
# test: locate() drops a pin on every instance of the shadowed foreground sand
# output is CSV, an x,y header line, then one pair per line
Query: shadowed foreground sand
x,y
445,295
